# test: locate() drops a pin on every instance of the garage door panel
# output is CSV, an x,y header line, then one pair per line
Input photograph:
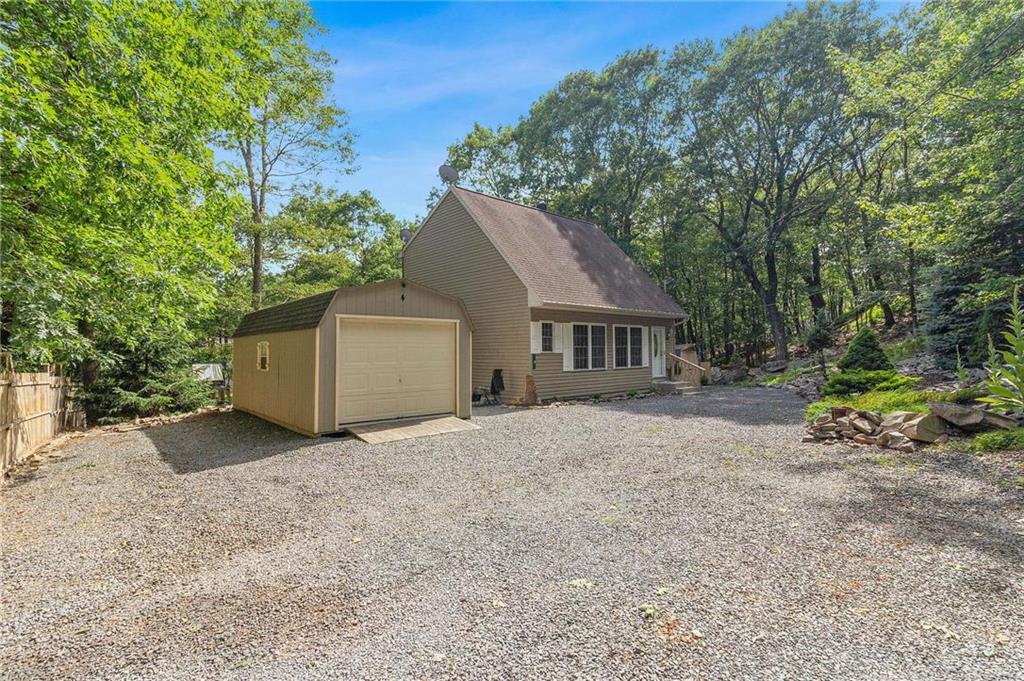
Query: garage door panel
x,y
392,369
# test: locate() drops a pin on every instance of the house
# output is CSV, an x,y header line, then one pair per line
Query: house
x,y
389,350
555,303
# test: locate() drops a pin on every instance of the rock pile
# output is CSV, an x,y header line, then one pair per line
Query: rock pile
x,y
902,430
899,430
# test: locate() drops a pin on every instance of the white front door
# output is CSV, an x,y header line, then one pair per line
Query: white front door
x,y
658,351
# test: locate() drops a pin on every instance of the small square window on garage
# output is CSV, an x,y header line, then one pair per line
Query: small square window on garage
x,y
263,355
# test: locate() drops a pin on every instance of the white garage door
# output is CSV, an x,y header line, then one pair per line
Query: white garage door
x,y
394,368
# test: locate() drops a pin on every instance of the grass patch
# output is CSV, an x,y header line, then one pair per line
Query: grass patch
x,y
880,401
788,376
998,440
885,401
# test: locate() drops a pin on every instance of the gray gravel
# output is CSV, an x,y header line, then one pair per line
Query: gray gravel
x,y
676,537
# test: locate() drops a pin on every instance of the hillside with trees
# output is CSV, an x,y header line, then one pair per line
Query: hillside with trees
x,y
832,162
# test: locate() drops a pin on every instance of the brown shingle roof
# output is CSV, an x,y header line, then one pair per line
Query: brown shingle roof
x,y
303,313
565,261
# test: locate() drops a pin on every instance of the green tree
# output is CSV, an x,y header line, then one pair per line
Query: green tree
x,y
762,123
114,216
945,91
865,353
331,239
289,130
819,337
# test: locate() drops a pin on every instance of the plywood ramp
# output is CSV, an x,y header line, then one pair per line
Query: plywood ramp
x,y
406,429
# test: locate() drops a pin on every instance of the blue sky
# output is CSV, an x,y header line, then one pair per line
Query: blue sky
x,y
414,77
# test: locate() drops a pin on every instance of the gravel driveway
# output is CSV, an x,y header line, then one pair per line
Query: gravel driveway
x,y
674,537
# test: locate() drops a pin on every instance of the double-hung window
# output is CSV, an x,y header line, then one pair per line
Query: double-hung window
x,y
547,336
589,346
598,349
263,356
629,346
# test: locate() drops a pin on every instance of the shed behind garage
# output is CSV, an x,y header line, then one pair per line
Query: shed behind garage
x,y
389,350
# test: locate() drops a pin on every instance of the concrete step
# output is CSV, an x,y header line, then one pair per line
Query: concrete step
x,y
675,388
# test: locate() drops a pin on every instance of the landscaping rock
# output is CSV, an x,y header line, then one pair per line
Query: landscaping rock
x,y
734,374
807,386
995,420
897,418
863,424
959,415
775,367
898,430
924,428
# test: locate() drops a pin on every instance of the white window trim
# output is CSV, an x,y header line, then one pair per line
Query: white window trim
x,y
629,347
537,338
260,347
570,352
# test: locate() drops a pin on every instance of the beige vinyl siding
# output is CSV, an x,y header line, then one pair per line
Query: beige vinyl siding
x,y
390,299
552,381
452,255
285,393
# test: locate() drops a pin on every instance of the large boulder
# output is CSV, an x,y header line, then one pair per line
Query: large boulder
x,y
775,366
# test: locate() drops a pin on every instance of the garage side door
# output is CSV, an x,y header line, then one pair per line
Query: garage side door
x,y
394,369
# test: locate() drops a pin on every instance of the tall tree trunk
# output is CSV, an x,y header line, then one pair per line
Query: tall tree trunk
x,y
770,297
912,286
813,282
90,368
257,269
890,317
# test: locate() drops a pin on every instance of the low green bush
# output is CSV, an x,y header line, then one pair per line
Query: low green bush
x,y
174,390
998,440
853,381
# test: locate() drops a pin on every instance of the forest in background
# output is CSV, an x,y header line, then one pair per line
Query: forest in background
x,y
832,163
163,166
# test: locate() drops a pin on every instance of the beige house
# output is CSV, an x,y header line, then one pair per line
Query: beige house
x,y
551,298
382,351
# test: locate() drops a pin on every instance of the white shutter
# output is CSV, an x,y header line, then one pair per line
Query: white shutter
x,y
556,333
646,334
566,347
535,344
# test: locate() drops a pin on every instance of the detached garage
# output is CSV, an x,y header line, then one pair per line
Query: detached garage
x,y
355,355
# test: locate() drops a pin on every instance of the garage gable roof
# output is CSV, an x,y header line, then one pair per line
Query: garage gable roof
x,y
563,261
304,313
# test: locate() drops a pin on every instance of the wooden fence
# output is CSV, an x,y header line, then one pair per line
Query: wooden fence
x,y
34,408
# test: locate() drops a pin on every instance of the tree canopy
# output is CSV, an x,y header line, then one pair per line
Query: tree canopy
x,y
829,162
